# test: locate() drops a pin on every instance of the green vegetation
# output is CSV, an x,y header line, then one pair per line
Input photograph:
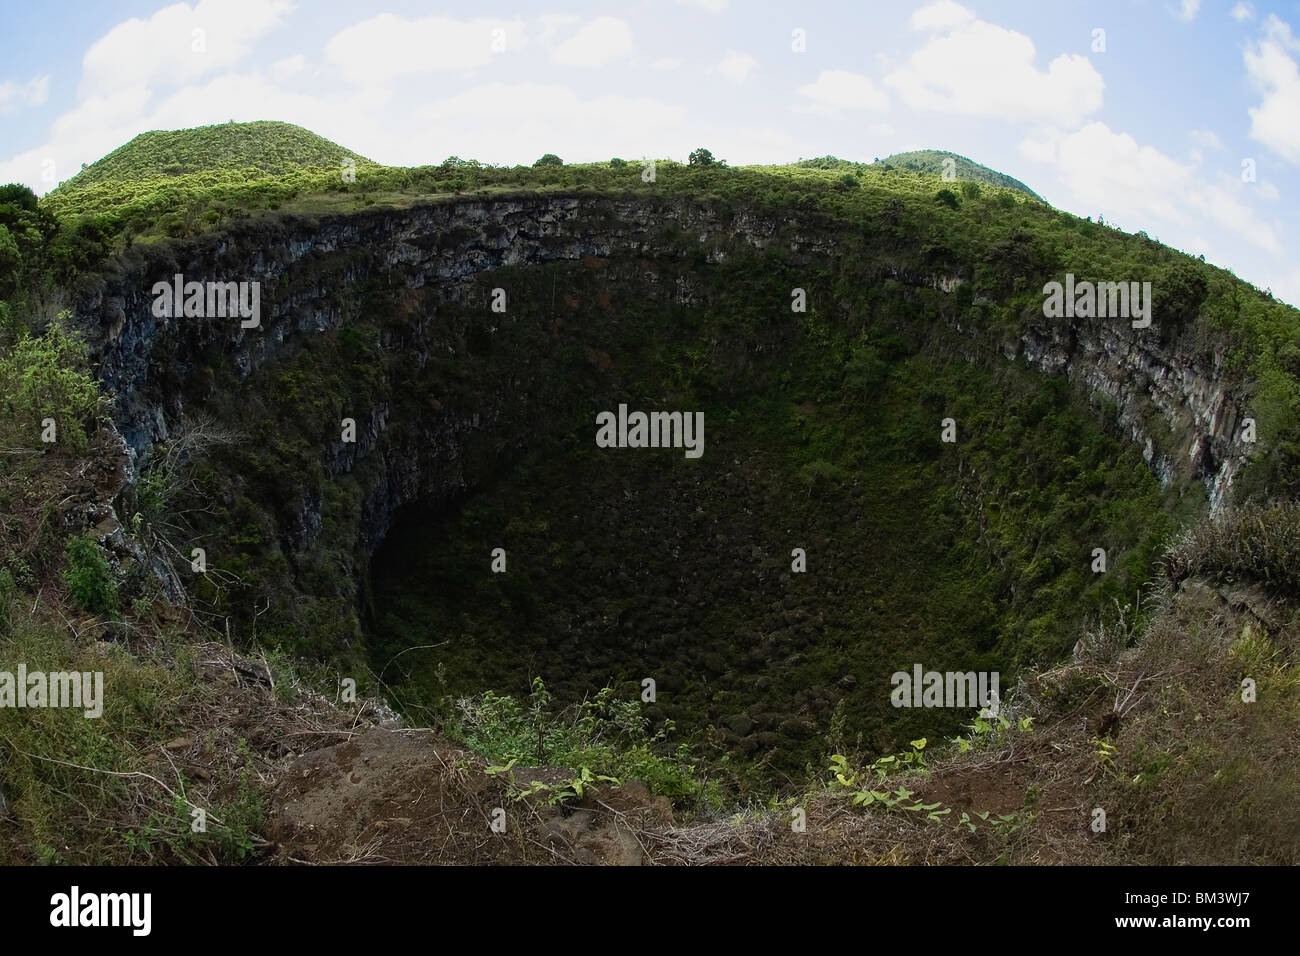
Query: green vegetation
x,y
89,578
938,162
822,434
262,148
850,421
1005,242
704,157
44,377
1254,543
978,558
85,789
604,739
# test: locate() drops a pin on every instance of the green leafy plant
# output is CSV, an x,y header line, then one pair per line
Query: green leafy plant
x,y
989,730
603,740
46,377
89,578
899,798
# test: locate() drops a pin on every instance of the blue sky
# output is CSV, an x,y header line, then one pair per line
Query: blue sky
x,y
1152,131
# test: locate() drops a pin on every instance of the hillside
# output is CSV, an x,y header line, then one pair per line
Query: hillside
x,y
934,162
266,146
350,467
155,181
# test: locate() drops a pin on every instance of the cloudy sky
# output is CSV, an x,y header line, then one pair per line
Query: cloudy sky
x,y
1180,117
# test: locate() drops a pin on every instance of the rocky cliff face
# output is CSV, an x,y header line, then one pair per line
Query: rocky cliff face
x,y
1171,396
1173,399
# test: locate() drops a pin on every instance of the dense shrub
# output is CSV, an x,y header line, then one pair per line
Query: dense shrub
x,y
1255,544
89,578
45,377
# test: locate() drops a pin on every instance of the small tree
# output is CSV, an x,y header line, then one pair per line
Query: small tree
x,y
703,157
550,159
617,163
948,198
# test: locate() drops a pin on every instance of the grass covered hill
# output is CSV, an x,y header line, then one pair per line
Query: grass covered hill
x,y
266,146
932,161
928,162
170,168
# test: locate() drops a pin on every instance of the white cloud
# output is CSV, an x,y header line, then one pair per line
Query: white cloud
x,y
1276,77
1110,171
1286,286
943,15
667,63
979,69
837,90
178,43
100,124
289,66
525,120
1206,139
546,117
710,6
386,47
735,67
1188,9
551,23
495,123
1242,12
16,96
1042,149
601,41
96,126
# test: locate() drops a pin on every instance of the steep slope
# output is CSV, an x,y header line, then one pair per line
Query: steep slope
x,y
383,317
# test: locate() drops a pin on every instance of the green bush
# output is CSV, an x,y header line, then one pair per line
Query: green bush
x,y
45,377
1255,544
603,735
89,578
